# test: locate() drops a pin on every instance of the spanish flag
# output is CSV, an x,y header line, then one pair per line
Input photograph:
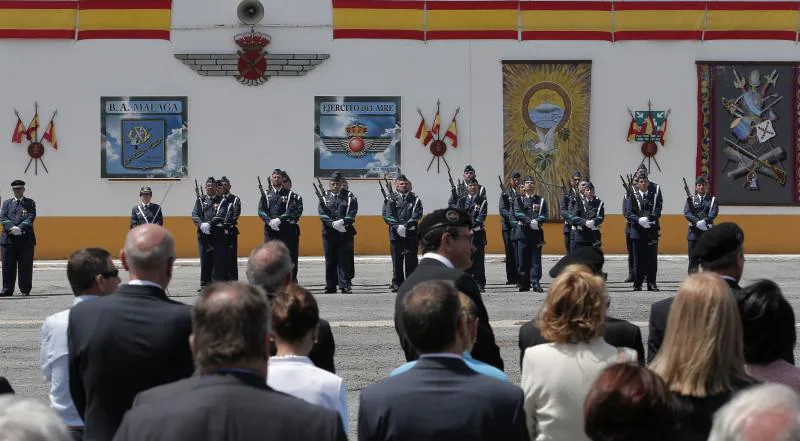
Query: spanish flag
x,y
452,133
423,134
437,123
50,135
38,19
33,128
125,19
19,132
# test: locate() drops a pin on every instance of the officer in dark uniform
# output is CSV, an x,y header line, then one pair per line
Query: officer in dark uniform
x,y
565,207
642,210
586,216
338,211
294,210
530,211
475,205
401,214
700,211
628,243
232,228
146,212
209,215
18,240
461,190
279,222
508,221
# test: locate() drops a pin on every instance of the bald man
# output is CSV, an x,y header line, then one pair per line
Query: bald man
x,y
130,341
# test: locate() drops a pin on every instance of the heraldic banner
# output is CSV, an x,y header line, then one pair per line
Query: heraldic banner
x,y
546,123
143,138
359,136
748,122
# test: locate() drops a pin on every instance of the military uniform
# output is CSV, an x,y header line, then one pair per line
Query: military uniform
x,y
295,211
401,214
585,219
17,242
508,221
628,243
475,206
143,213
210,212
643,211
700,211
231,231
565,207
337,212
461,189
531,213
279,221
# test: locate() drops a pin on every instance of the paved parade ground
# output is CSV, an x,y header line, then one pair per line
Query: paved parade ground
x,y
367,348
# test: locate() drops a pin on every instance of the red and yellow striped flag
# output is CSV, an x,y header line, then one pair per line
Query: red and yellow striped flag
x,y
125,19
38,19
395,19
767,20
561,20
472,19
659,20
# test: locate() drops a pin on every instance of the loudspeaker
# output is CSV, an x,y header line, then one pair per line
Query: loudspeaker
x,y
250,12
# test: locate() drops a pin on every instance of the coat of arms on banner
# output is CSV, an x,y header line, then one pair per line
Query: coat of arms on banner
x,y
30,134
252,58
650,128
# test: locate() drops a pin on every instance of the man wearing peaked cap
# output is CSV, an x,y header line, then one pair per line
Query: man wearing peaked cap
x,y
461,190
277,211
231,228
700,211
18,240
294,210
530,212
208,215
446,243
402,212
617,332
506,209
146,212
337,210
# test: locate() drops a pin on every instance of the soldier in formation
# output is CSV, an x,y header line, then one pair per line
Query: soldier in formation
x,y
585,217
642,210
209,214
402,210
475,206
568,200
146,212
231,229
700,211
507,197
280,209
337,212
530,211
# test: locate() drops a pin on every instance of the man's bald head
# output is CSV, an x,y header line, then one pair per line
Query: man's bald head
x,y
149,253
270,266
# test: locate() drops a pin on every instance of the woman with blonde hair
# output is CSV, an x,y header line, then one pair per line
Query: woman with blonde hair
x,y
557,376
702,357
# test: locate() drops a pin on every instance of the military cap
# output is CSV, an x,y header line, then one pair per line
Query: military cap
x,y
211,180
145,190
701,180
589,256
529,178
577,174
718,241
277,171
589,185
218,182
640,174
225,180
17,183
471,181
336,176
641,167
469,168
401,177
444,217
285,176
515,175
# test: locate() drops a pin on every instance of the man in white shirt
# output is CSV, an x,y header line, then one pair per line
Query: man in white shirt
x,y
91,274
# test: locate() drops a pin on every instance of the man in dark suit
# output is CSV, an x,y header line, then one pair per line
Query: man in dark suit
x,y
440,398
719,250
229,399
446,241
130,341
17,240
618,333
270,267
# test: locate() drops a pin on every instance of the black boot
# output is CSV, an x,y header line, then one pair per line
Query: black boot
x,y
652,287
629,279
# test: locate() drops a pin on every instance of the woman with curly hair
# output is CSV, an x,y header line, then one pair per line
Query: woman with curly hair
x,y
557,376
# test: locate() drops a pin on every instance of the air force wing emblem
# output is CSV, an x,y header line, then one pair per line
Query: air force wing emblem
x,y
356,143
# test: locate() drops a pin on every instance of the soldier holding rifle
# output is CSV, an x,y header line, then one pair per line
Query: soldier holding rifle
x,y
402,210
337,212
475,206
700,211
231,228
585,217
642,209
507,197
294,210
461,190
530,211
209,216
570,198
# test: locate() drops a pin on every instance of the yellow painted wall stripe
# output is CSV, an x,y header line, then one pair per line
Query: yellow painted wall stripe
x,y
378,19
495,19
658,20
566,20
752,20
37,18
105,19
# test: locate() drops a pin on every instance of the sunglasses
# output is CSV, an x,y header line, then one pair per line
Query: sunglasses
x,y
110,274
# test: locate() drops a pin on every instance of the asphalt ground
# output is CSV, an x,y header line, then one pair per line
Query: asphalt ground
x,y
367,348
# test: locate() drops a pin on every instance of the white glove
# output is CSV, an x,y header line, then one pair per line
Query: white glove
x,y
205,227
275,224
16,231
590,224
401,230
339,226
644,222
535,224
701,224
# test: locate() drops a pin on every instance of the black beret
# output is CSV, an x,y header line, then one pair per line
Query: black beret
x,y
701,180
577,174
211,180
444,217
469,169
718,241
516,175
587,255
17,183
225,179
336,176
401,177
145,190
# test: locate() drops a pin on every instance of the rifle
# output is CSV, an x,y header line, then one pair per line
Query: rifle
x,y
628,186
392,204
322,203
389,199
452,186
162,202
686,189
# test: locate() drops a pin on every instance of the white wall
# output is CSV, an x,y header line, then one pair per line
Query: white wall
x,y
242,131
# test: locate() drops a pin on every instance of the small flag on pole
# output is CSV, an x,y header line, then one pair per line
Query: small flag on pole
x,y
19,131
423,134
452,131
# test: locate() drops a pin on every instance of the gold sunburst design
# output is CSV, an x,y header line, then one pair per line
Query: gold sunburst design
x,y
556,145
